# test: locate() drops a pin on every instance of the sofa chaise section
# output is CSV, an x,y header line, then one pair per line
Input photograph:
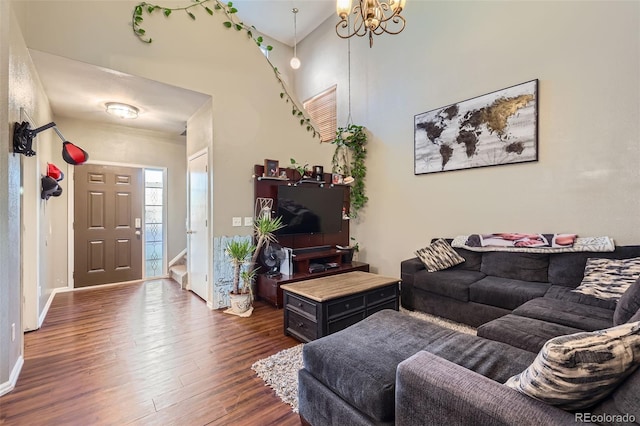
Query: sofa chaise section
x,y
349,377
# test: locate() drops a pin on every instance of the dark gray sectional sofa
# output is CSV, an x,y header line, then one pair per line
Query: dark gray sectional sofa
x,y
392,368
490,285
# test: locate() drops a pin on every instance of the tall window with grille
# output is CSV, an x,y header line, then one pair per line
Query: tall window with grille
x,y
153,223
322,109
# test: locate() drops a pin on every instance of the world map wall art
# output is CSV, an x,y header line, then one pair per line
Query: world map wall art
x,y
493,129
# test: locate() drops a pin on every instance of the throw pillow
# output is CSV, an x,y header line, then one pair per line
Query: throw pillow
x,y
628,304
576,371
609,278
439,255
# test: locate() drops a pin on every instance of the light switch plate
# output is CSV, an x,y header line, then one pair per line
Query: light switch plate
x,y
236,221
248,221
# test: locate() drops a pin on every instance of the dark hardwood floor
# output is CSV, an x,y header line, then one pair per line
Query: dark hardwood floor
x,y
147,354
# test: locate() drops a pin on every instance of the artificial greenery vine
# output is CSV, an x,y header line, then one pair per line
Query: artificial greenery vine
x,y
137,18
348,160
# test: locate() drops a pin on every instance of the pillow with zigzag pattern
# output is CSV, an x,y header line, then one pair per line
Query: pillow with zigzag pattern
x,y
578,370
439,255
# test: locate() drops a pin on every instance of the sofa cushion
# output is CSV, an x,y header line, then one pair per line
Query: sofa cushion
x,y
624,401
495,360
561,292
521,332
452,283
583,317
609,278
439,255
517,266
576,371
472,259
567,269
359,363
505,293
628,304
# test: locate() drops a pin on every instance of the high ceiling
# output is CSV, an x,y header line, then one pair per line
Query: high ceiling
x,y
80,90
275,18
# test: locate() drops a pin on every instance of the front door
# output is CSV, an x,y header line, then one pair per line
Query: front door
x,y
107,224
198,249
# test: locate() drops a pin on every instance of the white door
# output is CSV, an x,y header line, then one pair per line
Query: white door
x,y
197,233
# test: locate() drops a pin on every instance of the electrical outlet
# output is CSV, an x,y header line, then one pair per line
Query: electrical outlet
x,y
236,221
13,332
248,221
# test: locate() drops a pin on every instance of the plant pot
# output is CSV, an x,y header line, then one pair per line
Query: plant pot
x,y
347,255
240,303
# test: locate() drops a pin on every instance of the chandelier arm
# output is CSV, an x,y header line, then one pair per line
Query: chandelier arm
x,y
399,21
359,28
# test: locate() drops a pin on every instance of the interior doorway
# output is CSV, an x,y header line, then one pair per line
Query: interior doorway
x,y
108,228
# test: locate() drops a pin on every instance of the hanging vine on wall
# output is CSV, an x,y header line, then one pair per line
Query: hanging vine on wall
x,y
348,159
232,22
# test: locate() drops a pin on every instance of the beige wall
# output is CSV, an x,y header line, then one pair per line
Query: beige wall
x,y
28,102
586,56
10,352
250,121
21,88
144,148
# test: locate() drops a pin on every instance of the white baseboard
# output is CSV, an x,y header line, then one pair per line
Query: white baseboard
x,y
7,387
44,312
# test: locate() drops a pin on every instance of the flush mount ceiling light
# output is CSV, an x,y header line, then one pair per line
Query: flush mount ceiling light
x,y
295,62
122,110
370,16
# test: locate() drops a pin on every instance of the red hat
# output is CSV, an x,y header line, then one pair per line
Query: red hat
x,y
54,172
73,154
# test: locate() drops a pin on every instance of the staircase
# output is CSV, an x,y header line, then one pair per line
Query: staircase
x,y
178,270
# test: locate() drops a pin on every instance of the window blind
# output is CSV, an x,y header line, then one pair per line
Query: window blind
x,y
322,109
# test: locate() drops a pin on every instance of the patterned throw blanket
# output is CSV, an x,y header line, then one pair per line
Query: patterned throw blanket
x,y
533,243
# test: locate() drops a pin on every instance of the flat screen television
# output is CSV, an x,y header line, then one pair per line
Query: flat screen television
x,y
310,209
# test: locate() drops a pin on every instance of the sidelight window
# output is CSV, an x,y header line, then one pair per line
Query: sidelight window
x,y
154,235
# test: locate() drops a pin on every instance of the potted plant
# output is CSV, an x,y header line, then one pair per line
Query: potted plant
x,y
240,297
248,277
349,160
349,251
302,170
244,252
264,227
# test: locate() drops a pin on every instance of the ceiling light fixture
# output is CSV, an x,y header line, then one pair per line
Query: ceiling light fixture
x,y
122,110
295,62
371,16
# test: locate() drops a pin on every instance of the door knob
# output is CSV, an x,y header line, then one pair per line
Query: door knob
x,y
138,233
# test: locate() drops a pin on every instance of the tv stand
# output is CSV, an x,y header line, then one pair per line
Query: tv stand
x,y
269,288
307,248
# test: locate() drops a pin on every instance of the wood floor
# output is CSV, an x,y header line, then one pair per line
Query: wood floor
x,y
147,354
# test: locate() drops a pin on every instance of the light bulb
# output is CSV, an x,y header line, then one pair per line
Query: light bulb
x,y
295,63
343,8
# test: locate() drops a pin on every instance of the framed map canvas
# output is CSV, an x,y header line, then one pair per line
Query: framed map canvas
x,y
493,129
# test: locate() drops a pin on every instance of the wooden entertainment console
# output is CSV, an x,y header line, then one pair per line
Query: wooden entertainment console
x,y
269,288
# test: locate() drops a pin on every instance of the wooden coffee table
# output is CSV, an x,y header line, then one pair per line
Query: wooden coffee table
x,y
321,306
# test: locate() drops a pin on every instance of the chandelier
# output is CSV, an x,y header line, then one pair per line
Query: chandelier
x,y
370,16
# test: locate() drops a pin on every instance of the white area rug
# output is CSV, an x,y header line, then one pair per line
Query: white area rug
x,y
280,371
